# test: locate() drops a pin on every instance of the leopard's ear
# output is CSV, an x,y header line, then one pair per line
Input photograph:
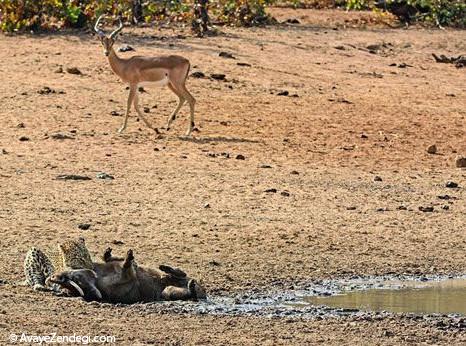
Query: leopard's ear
x,y
81,240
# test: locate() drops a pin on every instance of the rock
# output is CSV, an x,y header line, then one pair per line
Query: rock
x,y
272,190
377,178
104,175
445,207
72,177
117,242
61,136
240,157
294,172
364,136
84,226
292,21
125,48
46,90
461,162
146,110
283,93
4,152
350,208
243,64
426,209
432,149
218,76
207,206
73,70
265,166
226,55
59,70
198,74
214,263
21,126
340,47
115,114
444,197
142,90
451,184
23,139
285,194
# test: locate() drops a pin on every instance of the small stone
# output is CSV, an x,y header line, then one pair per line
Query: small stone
x,y
115,114
243,64
84,226
377,178
432,149
292,21
218,76
146,110
46,90
240,157
4,152
226,55
21,126
350,208
214,263
23,139
445,207
207,206
117,242
61,136
402,207
444,197
73,70
364,136
283,93
461,162
198,74
59,70
72,177
125,48
142,90
272,190
265,166
426,209
285,194
104,175
294,172
451,184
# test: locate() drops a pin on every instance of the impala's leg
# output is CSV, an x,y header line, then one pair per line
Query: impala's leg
x,y
177,109
191,100
132,93
136,107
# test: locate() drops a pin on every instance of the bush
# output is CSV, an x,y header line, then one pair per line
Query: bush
x,y
55,14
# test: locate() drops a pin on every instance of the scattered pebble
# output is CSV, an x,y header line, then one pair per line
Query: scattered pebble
x,y
445,207
243,64
23,139
214,263
207,206
451,184
104,175
117,242
294,172
73,70
240,157
46,90
218,76
265,166
283,93
61,136
285,194
402,207
292,21
84,226
21,126
272,190
350,208
426,209
125,48
198,75
226,55
59,70
377,178
444,197
432,149
72,177
461,162
115,114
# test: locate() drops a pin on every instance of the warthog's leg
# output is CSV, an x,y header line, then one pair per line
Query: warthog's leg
x,y
107,257
128,271
180,293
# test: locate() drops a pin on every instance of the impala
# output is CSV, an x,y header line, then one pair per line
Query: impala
x,y
170,70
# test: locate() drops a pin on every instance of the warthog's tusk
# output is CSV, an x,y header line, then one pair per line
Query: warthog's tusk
x,y
76,286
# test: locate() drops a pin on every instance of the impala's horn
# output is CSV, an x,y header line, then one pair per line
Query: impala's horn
x,y
96,26
117,31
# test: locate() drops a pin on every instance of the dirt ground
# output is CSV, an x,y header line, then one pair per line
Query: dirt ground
x,y
369,101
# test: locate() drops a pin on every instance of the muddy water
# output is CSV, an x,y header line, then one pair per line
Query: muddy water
x,y
444,297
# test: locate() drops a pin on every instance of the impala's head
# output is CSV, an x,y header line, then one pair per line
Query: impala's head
x,y
107,41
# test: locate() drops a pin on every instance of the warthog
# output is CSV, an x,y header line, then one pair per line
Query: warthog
x,y
119,280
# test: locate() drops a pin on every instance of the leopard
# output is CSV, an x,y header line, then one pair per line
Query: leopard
x,y
40,265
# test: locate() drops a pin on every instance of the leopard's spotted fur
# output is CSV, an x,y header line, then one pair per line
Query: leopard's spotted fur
x,y
39,265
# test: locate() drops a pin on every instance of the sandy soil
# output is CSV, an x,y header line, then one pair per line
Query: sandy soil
x,y
355,117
